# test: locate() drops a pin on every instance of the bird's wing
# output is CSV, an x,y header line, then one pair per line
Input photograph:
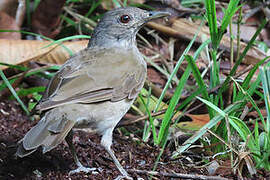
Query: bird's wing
x,y
94,76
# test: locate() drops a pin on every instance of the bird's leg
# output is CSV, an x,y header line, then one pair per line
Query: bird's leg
x,y
106,142
80,168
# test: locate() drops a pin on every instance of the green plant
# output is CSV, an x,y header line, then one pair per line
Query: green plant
x,y
161,138
227,119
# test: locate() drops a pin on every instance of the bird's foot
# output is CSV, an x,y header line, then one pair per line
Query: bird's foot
x,y
123,177
82,169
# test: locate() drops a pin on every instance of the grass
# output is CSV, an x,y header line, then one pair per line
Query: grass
x,y
14,92
163,130
242,94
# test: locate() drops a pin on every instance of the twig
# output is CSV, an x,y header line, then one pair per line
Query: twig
x,y
125,123
154,114
177,175
20,13
91,23
231,61
211,132
28,71
156,91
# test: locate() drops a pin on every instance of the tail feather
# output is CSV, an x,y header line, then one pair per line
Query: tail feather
x,y
50,131
53,140
22,152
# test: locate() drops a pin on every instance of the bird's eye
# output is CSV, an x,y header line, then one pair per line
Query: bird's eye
x,y
125,18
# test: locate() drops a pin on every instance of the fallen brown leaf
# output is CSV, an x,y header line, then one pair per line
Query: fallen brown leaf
x,y
155,77
8,23
193,122
22,51
184,29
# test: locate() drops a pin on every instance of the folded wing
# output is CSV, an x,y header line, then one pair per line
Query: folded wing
x,y
94,76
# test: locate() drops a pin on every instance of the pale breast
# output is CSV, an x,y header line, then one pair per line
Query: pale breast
x,y
97,117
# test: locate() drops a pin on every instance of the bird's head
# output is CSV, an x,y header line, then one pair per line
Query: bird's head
x,y
122,24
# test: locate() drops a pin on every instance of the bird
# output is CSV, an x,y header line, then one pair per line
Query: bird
x,y
94,88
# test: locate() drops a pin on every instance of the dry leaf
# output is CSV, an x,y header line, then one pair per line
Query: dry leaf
x,y
155,77
184,29
22,51
244,158
8,23
246,32
193,122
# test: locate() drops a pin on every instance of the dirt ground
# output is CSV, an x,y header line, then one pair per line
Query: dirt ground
x,y
57,163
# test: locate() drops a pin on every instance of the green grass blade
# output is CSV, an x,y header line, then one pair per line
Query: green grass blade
x,y
170,111
243,131
21,68
93,7
68,20
265,77
24,92
247,85
179,62
200,82
254,86
13,92
214,107
248,97
67,39
189,99
212,21
238,62
162,135
150,119
231,108
187,73
256,132
230,11
248,78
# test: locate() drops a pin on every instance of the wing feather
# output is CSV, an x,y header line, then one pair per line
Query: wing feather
x,y
94,76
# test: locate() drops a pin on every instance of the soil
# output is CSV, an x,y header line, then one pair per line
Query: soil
x,y
57,163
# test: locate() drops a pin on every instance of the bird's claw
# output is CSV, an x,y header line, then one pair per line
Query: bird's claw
x,y
82,169
123,177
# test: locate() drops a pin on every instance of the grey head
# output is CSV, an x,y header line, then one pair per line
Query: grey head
x,y
118,27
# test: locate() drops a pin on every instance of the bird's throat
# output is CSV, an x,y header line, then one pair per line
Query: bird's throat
x,y
112,40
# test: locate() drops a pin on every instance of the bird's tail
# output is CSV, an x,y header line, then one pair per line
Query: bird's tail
x,y
50,131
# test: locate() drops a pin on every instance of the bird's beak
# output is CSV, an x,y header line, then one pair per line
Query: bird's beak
x,y
156,14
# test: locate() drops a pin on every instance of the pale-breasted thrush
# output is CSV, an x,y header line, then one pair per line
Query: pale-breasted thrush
x,y
95,87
